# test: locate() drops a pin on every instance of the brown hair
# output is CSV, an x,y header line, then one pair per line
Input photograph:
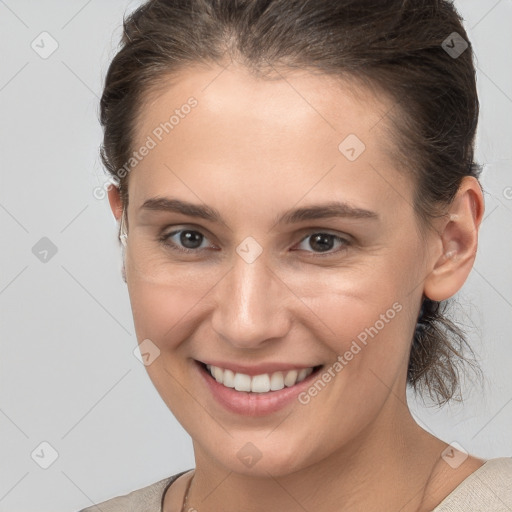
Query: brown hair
x,y
400,48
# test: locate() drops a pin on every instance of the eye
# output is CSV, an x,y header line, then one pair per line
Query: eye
x,y
185,240
323,242
192,241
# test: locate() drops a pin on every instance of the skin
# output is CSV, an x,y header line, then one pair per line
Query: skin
x,y
253,149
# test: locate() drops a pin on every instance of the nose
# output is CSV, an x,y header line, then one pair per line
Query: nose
x,y
251,305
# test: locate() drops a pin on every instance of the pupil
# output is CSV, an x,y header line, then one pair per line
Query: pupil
x,y
321,241
191,239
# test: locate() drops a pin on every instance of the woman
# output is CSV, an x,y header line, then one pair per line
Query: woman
x,y
297,200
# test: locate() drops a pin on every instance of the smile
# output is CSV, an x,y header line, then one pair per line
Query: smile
x,y
262,383
257,394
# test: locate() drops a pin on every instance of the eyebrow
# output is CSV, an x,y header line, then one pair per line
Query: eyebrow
x,y
320,211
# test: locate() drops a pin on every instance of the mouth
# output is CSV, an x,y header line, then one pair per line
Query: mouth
x,y
262,383
256,395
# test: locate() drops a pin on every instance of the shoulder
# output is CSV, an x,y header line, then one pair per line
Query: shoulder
x,y
488,489
146,499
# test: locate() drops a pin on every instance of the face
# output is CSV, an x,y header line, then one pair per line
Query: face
x,y
283,240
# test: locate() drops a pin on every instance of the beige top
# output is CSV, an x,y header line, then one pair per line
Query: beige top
x,y
488,489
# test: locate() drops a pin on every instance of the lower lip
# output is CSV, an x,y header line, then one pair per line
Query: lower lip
x,y
254,404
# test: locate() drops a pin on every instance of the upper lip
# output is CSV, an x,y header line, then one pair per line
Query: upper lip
x,y
257,369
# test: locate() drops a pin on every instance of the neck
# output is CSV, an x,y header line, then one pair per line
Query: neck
x,y
386,467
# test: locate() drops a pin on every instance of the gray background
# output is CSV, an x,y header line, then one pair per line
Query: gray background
x,y
68,375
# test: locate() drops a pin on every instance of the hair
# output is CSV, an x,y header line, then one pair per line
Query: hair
x,y
393,47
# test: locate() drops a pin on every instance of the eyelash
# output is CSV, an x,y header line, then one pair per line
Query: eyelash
x,y
164,239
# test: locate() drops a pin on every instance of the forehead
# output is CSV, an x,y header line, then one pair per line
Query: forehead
x,y
284,132
282,100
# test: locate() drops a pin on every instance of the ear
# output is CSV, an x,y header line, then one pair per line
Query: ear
x,y
116,204
459,237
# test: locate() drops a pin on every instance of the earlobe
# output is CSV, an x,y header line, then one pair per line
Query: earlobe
x,y
459,237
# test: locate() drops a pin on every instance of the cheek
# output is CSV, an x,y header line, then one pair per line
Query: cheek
x,y
370,346
371,332
158,312
368,316
163,306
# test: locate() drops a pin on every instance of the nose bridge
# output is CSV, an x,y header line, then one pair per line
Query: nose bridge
x,y
250,308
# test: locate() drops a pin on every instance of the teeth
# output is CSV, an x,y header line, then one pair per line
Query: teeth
x,y
242,381
217,373
291,378
258,383
303,374
277,381
229,379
